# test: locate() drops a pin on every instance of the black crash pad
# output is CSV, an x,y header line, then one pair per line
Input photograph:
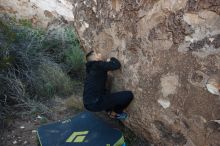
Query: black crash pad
x,y
85,129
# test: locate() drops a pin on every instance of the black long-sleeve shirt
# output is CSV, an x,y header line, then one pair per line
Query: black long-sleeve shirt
x,y
96,77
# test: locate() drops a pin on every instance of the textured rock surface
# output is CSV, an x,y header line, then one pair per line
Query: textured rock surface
x,y
40,12
168,49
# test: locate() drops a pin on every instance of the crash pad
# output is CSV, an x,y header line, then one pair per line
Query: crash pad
x,y
85,129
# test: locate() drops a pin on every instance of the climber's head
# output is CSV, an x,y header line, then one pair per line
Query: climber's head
x,y
93,56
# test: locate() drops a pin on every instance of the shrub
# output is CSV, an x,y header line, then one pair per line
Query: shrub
x,y
35,64
74,56
63,46
75,103
52,80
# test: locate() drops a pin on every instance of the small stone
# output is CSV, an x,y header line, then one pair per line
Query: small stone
x,y
189,39
86,24
39,117
34,131
25,142
211,39
94,9
164,103
22,127
15,142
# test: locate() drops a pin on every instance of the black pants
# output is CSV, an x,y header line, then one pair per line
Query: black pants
x,y
116,102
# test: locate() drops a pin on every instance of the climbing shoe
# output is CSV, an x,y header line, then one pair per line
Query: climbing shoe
x,y
122,116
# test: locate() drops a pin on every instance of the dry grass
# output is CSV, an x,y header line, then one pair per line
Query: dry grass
x,y
52,80
34,67
74,102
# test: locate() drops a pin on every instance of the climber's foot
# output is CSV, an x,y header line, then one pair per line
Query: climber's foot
x,y
111,114
122,116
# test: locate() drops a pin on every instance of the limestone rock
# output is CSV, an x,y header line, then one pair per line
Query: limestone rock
x,y
161,44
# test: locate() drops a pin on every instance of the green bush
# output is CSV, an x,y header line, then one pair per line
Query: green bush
x,y
74,55
36,64
64,48
52,80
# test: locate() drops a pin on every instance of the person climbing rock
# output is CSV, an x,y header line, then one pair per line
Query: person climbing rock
x,y
95,95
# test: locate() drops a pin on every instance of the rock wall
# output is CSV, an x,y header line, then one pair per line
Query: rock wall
x,y
168,50
40,12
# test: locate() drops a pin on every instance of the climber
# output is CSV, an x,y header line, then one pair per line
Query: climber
x,y
95,95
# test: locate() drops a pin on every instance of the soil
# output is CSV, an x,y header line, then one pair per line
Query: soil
x,y
22,131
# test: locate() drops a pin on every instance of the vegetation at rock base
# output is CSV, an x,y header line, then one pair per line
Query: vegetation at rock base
x,y
36,65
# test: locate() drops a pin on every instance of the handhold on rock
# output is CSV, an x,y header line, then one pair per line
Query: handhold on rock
x,y
198,78
213,84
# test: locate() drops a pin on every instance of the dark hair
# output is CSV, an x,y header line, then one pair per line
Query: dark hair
x,y
89,54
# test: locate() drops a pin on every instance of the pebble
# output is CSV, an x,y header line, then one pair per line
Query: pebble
x,y
15,142
34,131
39,117
22,127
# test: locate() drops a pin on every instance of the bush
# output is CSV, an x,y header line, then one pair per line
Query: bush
x,y
52,80
63,46
73,55
35,64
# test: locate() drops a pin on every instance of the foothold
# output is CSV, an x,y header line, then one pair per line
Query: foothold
x,y
216,121
116,5
169,84
213,85
164,103
48,14
198,78
86,25
94,9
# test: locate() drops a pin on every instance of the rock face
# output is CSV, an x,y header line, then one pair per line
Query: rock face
x,y
168,50
40,12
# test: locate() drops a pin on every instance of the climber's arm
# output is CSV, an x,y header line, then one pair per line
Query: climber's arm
x,y
113,64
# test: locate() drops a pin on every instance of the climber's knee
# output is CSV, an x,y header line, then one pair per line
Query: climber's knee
x,y
129,95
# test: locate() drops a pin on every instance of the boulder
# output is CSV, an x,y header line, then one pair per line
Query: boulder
x,y
168,50
41,13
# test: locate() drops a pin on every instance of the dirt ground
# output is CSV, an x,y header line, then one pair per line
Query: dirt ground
x,y
22,131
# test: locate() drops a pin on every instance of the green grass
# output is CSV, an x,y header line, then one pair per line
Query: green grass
x,y
52,80
74,56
